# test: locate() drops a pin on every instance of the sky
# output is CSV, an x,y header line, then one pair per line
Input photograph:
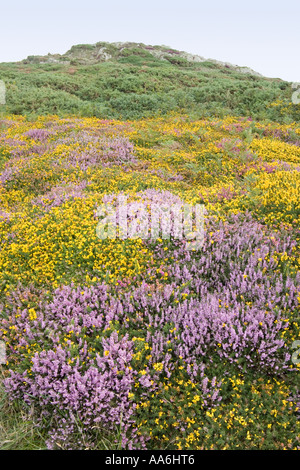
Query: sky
x,y
262,34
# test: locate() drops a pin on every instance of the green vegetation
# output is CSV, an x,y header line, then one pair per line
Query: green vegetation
x,y
134,84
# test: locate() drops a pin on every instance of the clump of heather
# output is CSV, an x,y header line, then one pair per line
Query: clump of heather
x,y
38,134
240,294
8,174
72,388
59,194
104,152
4,216
118,150
72,371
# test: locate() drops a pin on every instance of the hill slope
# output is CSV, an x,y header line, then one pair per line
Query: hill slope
x,y
130,81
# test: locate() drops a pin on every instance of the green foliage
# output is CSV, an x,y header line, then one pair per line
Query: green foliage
x,y
135,84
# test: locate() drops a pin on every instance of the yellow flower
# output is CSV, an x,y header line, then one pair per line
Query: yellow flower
x,y
32,314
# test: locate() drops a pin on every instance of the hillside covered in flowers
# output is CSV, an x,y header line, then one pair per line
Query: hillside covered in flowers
x,y
141,343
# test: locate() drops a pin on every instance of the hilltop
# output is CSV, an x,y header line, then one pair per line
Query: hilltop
x,y
88,54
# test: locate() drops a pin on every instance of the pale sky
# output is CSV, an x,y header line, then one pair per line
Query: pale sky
x,y
261,34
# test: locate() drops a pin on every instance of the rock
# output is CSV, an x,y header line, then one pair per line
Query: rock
x,y
88,54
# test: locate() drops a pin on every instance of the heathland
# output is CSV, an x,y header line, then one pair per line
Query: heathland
x,y
140,342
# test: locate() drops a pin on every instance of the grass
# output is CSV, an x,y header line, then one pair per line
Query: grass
x,y
17,429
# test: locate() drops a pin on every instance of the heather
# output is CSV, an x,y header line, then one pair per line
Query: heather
x,y
141,343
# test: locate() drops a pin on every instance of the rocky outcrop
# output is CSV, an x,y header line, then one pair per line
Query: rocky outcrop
x,y
88,54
